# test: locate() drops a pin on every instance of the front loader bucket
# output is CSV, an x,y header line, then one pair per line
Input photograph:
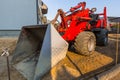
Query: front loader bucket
x,y
38,49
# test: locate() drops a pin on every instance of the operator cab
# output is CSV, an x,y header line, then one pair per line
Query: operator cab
x,y
94,16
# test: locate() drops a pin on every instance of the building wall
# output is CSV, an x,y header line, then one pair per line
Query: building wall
x,y
16,13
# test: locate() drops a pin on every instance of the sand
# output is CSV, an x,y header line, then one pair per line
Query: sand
x,y
74,65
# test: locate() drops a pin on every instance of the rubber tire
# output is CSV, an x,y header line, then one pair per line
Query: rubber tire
x,y
85,43
102,37
106,36
105,40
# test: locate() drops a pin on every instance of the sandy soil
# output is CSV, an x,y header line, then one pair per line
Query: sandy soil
x,y
7,43
117,77
75,65
114,36
10,44
71,67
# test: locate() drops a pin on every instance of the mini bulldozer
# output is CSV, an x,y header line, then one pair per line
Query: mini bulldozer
x,y
40,47
82,28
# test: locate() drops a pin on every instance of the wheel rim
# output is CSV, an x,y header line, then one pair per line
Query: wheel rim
x,y
91,44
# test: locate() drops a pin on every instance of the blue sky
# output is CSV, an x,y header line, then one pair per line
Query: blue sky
x,y
54,5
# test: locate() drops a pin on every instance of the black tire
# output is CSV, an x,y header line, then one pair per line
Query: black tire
x,y
102,37
105,40
85,43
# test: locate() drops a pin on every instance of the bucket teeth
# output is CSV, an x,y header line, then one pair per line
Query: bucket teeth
x,y
39,48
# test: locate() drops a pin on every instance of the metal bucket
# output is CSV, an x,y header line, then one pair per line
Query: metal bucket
x,y
38,49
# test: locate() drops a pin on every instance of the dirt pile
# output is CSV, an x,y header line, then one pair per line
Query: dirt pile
x,y
75,65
